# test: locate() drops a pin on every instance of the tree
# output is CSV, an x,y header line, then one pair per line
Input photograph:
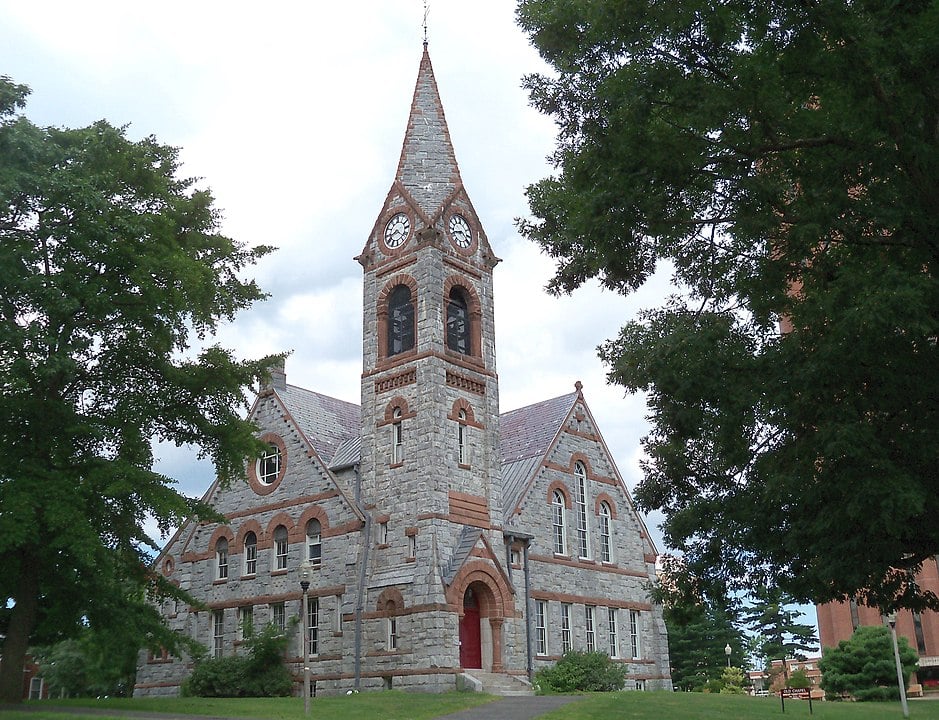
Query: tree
x,y
697,637
775,624
112,267
782,159
864,666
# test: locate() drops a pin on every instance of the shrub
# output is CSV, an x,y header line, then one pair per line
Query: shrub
x,y
864,666
260,672
732,681
584,672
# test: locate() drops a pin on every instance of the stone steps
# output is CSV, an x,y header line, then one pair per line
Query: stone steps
x,y
500,683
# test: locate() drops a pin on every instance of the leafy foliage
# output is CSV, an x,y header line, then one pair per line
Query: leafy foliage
x,y
798,679
775,624
112,266
864,666
697,636
583,672
782,159
732,681
260,672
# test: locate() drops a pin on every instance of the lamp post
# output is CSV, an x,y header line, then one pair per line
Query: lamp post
x,y
892,621
727,652
306,570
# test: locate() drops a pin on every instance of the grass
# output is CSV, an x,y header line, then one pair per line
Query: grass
x,y
396,705
388,705
699,706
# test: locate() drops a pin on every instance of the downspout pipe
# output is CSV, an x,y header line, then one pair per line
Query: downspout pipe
x,y
360,594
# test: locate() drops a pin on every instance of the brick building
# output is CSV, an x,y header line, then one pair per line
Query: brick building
x,y
451,544
838,621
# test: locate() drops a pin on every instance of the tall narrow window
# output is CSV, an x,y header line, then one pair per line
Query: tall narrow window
x,y
634,633
855,618
279,616
565,627
591,630
391,626
245,622
251,553
458,335
541,627
580,509
412,546
313,626
606,547
612,632
221,559
463,454
383,533
560,539
314,542
918,633
397,437
280,548
218,632
400,321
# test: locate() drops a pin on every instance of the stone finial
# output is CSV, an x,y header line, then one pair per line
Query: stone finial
x,y
578,386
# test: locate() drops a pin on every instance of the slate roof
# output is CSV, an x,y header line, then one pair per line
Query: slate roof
x,y
328,423
333,429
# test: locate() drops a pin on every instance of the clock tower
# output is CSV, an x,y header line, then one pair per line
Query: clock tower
x,y
430,463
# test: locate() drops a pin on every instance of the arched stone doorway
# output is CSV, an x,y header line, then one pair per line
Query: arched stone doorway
x,y
484,600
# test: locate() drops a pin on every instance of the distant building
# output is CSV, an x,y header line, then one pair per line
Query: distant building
x,y
451,544
837,621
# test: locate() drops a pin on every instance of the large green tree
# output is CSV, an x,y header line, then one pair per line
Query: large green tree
x,y
781,158
697,636
864,666
112,265
774,621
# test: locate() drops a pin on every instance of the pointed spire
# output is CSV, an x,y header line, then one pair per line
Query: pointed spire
x,y
428,168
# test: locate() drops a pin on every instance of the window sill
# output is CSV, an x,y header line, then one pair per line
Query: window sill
x,y
465,466
562,556
397,464
382,546
220,581
252,576
410,560
282,571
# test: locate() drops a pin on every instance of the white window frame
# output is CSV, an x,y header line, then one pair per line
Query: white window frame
x,y
463,450
281,548
397,437
313,627
391,637
635,634
314,543
245,613
541,627
251,554
606,545
218,632
383,533
566,642
558,523
612,632
412,546
221,559
279,616
268,465
590,625
580,510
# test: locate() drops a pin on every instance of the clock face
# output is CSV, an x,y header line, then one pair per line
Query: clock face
x,y
396,231
460,231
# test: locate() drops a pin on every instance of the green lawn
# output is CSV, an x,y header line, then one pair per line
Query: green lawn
x,y
396,705
698,706
390,705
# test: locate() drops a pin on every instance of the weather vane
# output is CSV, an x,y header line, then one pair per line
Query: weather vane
x,y
426,11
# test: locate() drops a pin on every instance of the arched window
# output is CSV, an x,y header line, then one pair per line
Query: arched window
x,y
580,509
280,548
397,437
400,320
560,539
314,542
606,548
463,450
221,559
458,326
251,553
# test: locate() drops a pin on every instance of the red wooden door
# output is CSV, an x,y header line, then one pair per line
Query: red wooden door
x,y
471,655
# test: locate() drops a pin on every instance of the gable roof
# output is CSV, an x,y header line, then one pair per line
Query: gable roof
x,y
329,424
527,435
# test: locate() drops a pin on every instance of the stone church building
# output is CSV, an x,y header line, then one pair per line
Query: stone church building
x,y
450,546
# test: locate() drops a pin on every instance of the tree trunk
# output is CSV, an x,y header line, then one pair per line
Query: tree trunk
x,y
21,625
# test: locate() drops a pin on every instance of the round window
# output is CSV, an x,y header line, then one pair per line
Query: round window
x,y
268,467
